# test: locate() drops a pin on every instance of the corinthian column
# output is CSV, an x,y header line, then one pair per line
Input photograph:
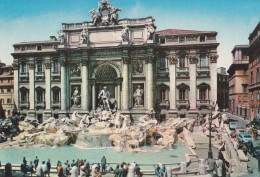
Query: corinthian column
x,y
63,85
47,69
125,84
149,82
213,77
193,82
85,84
172,75
31,112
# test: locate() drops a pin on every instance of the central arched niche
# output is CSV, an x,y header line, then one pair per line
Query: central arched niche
x,y
106,72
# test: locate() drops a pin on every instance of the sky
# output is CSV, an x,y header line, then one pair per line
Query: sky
x,y
34,20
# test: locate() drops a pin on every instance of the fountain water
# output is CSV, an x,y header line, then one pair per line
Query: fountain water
x,y
93,140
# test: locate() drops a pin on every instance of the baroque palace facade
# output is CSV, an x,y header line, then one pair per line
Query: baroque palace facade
x,y
172,71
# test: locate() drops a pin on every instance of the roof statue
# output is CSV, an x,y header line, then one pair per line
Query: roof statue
x,y
105,14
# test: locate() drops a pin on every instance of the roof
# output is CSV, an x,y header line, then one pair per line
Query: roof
x,y
240,47
179,31
256,28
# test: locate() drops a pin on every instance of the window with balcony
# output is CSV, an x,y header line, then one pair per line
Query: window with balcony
x,y
39,94
55,67
182,94
56,95
203,94
164,63
203,62
24,95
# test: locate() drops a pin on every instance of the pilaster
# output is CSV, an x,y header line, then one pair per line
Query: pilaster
x,y
85,83
63,70
125,84
31,112
16,83
47,69
149,60
213,77
193,60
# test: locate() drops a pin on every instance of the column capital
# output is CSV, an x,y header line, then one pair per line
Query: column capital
x,y
31,65
172,59
15,66
47,65
84,61
149,59
63,62
193,59
213,58
126,60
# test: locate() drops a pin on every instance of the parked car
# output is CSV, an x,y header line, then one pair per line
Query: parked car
x,y
239,130
245,137
232,125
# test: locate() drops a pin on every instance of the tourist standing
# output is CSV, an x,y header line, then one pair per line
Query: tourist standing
x,y
138,171
49,167
117,171
45,168
24,161
30,168
36,162
65,169
219,164
73,163
157,170
39,171
123,171
163,171
74,171
60,170
212,166
8,170
103,165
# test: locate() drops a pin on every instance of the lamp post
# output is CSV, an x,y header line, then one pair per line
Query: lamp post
x,y
210,121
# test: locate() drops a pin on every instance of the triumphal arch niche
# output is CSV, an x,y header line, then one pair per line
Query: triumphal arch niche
x,y
107,60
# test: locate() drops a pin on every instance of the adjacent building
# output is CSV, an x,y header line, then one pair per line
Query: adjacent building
x,y
223,89
6,89
253,72
172,71
238,82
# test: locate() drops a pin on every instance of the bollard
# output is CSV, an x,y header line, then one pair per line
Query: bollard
x,y
183,167
169,172
93,169
202,169
131,171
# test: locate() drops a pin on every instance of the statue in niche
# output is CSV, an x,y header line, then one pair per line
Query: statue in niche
x,y
104,97
125,34
62,37
76,98
150,32
138,67
96,16
138,96
75,71
84,36
114,15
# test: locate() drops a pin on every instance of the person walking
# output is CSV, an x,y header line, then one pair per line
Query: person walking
x,y
157,170
30,168
103,165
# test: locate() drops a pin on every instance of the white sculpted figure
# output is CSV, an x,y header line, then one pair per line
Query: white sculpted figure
x,y
104,97
114,15
76,97
84,37
62,37
150,32
138,96
125,34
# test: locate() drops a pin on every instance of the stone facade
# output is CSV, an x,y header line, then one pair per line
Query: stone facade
x,y
238,82
253,73
6,90
223,89
174,70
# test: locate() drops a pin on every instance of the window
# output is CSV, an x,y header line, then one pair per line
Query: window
x,y
9,80
162,40
23,48
2,80
244,88
56,67
9,112
203,61
252,96
23,95
2,91
181,39
252,77
163,94
182,94
39,67
202,38
164,63
56,95
23,68
8,90
182,61
245,71
257,75
257,96
55,46
203,94
39,47
8,101
2,101
39,95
